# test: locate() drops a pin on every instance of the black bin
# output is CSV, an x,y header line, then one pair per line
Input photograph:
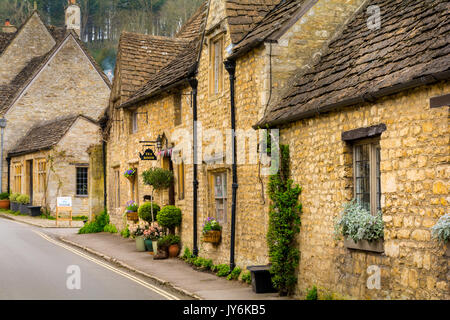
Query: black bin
x,y
261,279
34,211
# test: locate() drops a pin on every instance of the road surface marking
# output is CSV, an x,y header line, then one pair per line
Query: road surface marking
x,y
161,292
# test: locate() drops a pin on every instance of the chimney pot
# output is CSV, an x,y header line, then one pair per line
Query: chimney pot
x,y
7,23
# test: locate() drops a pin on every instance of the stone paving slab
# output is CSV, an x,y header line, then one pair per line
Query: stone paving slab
x,y
172,272
43,223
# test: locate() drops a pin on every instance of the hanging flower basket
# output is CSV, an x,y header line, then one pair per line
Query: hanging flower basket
x,y
212,236
130,174
132,216
131,211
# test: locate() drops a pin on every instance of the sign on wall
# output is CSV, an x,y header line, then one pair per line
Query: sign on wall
x,y
147,155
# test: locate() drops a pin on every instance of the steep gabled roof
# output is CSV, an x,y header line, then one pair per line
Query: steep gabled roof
x,y
12,91
141,56
5,40
45,135
271,27
181,67
411,49
243,15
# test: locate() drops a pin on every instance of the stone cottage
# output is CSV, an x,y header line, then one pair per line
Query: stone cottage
x,y
248,67
46,73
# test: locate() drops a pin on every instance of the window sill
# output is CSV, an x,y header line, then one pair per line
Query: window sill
x,y
364,245
81,196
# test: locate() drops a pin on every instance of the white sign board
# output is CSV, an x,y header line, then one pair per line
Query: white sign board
x,y
64,202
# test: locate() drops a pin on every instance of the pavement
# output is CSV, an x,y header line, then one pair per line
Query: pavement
x,y
173,273
40,222
35,266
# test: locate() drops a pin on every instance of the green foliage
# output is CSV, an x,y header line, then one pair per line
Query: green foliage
x,y
247,277
145,211
169,217
222,270
169,240
4,196
211,224
79,218
357,223
312,294
97,225
13,197
187,254
284,225
110,228
234,275
125,233
158,178
23,199
441,230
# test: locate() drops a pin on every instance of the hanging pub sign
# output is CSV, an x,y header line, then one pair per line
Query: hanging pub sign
x,y
147,155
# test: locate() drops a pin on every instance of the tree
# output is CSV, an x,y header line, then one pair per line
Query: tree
x,y
160,179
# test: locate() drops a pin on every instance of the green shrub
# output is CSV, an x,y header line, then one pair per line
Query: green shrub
x,y
125,232
312,294
168,240
158,178
187,254
13,196
23,199
441,230
169,217
79,218
110,228
207,263
247,277
357,223
234,275
222,270
145,211
97,225
4,196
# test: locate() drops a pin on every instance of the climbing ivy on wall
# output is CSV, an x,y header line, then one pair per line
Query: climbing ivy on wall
x,y
284,225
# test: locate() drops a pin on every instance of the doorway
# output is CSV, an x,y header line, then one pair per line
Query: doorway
x,y
29,175
168,165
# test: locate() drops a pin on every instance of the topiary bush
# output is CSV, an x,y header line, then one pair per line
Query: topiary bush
x,y
13,197
169,217
23,199
145,211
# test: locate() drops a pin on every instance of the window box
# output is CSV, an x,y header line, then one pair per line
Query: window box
x,y
212,236
364,245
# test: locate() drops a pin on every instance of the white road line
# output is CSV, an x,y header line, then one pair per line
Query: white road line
x,y
161,292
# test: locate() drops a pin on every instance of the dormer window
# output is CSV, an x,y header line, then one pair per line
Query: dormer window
x,y
216,65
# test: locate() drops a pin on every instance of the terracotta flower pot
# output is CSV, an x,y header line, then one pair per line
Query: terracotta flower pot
x,y
174,250
4,204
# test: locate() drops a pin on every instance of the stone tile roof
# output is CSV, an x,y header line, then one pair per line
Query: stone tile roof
x,y
142,56
181,66
275,21
411,49
243,15
45,135
5,40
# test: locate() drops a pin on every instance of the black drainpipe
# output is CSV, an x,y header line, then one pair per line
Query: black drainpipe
x,y
194,83
230,66
8,159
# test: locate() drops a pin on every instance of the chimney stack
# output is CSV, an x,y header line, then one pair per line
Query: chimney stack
x,y
8,27
73,17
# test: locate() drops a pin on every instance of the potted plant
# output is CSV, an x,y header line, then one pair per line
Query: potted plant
x,y
361,229
137,232
130,174
159,179
145,211
169,217
172,242
24,202
13,201
152,234
4,200
211,230
441,232
131,211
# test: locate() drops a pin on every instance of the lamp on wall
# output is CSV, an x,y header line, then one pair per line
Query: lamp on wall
x,y
159,142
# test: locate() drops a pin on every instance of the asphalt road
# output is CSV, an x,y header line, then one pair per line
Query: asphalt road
x,y
33,265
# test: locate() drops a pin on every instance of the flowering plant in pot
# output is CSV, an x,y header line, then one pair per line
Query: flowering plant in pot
x,y
130,173
211,230
24,202
151,235
131,211
137,232
172,243
441,231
